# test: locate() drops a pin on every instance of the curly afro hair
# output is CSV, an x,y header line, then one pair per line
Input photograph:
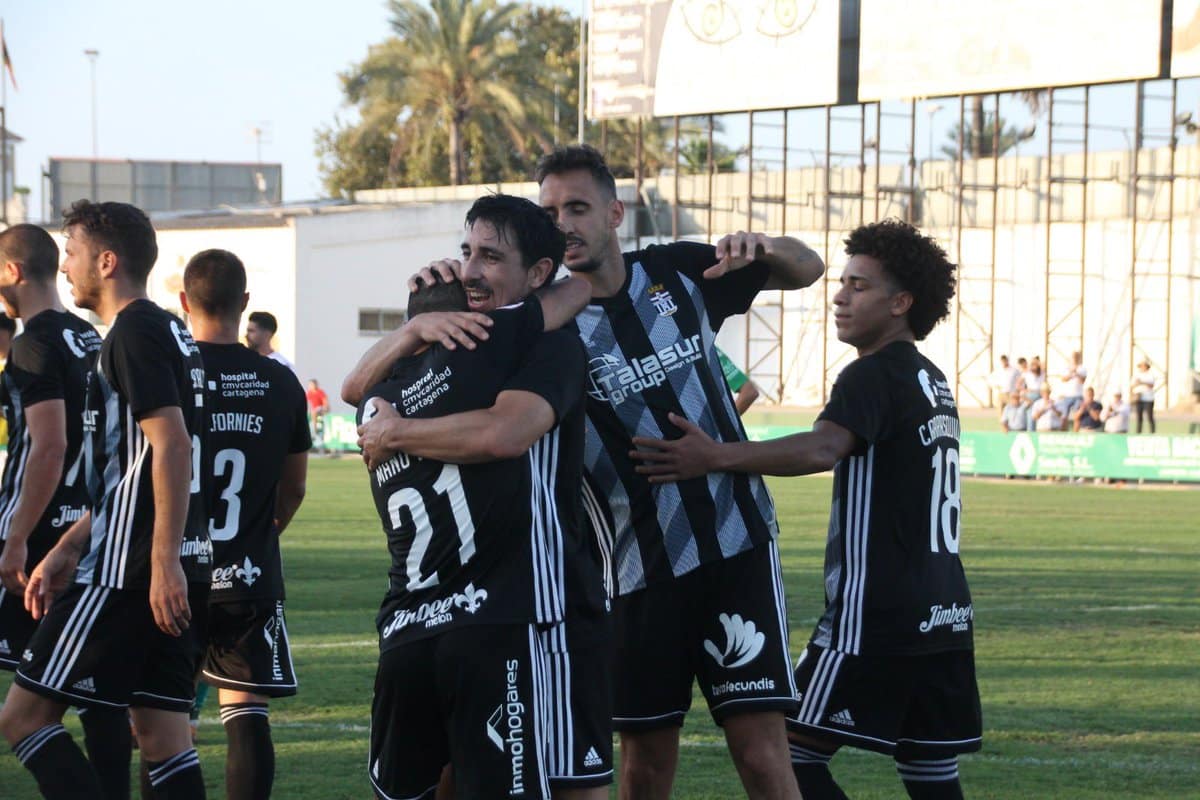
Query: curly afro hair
x,y
915,262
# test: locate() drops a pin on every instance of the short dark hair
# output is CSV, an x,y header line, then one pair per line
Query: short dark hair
x,y
532,227
215,282
574,157
7,323
916,263
33,248
121,228
265,320
437,296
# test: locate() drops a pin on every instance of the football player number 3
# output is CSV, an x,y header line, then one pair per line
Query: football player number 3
x,y
945,501
232,462
448,484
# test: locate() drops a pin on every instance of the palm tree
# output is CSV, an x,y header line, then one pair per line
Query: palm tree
x,y
456,64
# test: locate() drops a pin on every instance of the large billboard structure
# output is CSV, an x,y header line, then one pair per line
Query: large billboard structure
x,y
931,48
683,57
157,186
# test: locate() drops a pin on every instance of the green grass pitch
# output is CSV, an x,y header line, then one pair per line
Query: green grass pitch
x,y
1087,606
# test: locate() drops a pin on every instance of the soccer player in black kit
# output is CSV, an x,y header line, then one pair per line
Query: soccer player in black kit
x,y
694,566
258,442
475,458
44,490
122,594
890,666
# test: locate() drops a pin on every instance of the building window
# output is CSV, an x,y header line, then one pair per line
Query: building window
x,y
378,321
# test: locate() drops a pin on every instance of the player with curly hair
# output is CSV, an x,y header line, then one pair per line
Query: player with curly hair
x,y
890,666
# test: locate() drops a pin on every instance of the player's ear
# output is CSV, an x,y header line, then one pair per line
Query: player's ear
x,y
13,272
616,213
541,272
900,303
183,303
108,263
245,300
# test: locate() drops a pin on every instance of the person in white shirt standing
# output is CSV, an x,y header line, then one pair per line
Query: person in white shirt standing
x,y
1143,385
1072,388
1004,381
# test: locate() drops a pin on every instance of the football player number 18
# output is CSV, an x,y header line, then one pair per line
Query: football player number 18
x,y
449,484
945,501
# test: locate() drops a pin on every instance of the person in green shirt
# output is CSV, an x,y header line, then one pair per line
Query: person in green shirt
x,y
744,390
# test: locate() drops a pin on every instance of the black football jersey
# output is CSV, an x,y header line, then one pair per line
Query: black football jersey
x,y
651,351
148,361
257,416
894,583
50,360
483,543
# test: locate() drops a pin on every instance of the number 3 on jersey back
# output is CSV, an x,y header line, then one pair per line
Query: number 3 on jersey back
x,y
945,501
449,484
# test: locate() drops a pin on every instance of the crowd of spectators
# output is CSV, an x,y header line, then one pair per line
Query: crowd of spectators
x,y
1028,401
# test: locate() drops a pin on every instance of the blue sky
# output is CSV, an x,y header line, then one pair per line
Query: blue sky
x,y
180,80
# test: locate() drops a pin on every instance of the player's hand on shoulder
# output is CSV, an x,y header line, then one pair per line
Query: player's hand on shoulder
x,y
736,250
450,328
669,460
168,597
448,268
372,434
12,567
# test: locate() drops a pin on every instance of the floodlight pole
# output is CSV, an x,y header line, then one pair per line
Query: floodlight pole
x,y
92,55
582,72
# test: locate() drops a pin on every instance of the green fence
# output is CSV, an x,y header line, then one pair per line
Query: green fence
x,y
1068,455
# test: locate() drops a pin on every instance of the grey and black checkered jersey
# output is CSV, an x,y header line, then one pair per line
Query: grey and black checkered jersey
x,y
650,352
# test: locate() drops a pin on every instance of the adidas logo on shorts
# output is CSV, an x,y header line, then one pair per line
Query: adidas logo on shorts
x,y
842,718
592,759
85,685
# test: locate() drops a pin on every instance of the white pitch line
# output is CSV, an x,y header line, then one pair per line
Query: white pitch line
x,y
332,645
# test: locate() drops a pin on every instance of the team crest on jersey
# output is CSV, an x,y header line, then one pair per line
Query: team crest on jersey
x,y
661,299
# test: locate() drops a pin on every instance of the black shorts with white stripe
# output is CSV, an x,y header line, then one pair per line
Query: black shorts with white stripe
x,y
248,649
100,647
723,624
910,707
578,676
471,697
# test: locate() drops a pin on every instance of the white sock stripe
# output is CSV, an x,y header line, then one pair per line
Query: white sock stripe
x,y
928,771
176,763
25,748
228,713
802,755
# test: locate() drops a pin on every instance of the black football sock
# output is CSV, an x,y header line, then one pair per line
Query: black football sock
x,y
812,774
932,779
177,778
61,769
250,762
109,745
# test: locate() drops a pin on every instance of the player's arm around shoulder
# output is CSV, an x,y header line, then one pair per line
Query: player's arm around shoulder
x,y
562,300
171,465
696,453
791,264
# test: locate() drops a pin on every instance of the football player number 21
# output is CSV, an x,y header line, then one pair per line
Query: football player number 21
x,y
448,484
945,501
